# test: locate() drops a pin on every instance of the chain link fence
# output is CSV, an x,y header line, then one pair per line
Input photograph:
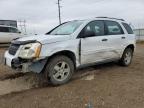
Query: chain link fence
x,y
139,34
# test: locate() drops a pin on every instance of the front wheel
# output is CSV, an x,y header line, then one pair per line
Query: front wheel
x,y
127,57
59,70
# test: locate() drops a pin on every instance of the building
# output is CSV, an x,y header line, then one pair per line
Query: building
x,y
139,33
8,23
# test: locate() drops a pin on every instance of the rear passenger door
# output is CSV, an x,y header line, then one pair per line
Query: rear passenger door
x,y
116,39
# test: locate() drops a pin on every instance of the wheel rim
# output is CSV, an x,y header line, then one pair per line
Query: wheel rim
x,y
61,71
128,57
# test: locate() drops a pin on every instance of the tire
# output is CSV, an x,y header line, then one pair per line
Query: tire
x,y
59,70
126,57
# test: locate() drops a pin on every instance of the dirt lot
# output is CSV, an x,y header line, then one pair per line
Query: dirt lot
x,y
102,86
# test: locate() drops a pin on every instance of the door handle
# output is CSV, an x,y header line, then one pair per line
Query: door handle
x,y
123,37
104,40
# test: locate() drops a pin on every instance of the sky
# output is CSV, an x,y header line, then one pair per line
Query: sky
x,y
42,15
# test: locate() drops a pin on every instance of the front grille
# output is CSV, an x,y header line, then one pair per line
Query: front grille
x,y
13,48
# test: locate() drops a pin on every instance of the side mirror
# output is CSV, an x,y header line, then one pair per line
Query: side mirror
x,y
89,33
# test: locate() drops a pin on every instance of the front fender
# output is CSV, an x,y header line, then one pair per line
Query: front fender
x,y
69,45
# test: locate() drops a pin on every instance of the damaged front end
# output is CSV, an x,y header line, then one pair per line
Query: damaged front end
x,y
25,56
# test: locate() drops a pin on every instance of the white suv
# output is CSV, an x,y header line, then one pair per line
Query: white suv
x,y
71,45
8,33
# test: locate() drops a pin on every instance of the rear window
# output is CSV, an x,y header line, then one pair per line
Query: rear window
x,y
4,29
128,28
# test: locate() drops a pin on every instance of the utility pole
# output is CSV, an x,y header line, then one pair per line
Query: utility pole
x,y
25,26
22,25
59,11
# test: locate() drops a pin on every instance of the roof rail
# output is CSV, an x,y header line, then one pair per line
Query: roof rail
x,y
111,18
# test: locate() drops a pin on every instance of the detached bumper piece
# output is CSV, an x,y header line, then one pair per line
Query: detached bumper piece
x,y
20,64
16,63
28,65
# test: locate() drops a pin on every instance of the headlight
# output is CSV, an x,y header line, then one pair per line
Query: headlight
x,y
30,51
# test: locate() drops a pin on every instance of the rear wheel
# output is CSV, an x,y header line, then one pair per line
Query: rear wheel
x,y
127,57
59,70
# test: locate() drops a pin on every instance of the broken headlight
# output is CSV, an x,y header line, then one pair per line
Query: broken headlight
x,y
29,51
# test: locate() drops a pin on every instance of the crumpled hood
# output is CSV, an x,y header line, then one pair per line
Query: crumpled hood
x,y
46,39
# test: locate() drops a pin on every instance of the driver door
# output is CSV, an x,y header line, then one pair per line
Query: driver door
x,y
94,47
14,33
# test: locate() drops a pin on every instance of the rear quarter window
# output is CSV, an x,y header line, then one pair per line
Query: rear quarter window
x,y
128,28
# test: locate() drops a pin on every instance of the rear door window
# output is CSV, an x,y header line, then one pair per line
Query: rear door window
x,y
4,29
113,28
128,28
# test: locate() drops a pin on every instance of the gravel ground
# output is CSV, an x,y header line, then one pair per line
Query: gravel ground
x,y
101,86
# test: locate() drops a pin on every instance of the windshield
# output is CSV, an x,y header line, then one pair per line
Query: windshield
x,y
67,28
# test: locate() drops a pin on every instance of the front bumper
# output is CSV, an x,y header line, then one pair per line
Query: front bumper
x,y
24,66
8,59
16,63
